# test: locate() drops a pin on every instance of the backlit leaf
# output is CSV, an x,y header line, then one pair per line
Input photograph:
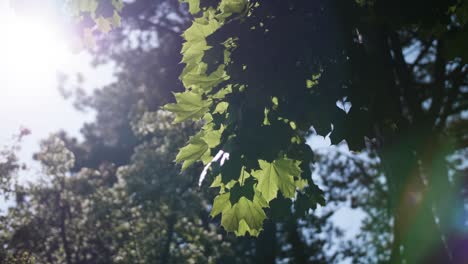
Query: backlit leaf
x,y
220,204
103,24
189,106
278,175
245,216
213,137
194,151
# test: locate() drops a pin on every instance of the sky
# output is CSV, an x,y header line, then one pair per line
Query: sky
x,y
32,53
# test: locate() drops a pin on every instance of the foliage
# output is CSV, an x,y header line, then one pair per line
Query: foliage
x,y
95,15
9,163
22,258
356,179
257,76
118,216
251,118
8,166
257,96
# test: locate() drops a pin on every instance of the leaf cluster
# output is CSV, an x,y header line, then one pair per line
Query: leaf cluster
x,y
235,53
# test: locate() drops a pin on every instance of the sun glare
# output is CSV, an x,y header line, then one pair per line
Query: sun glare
x,y
31,52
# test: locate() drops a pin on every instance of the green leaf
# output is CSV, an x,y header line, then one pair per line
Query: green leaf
x,y
200,29
244,175
194,6
313,81
226,56
221,108
275,102
244,216
230,184
217,182
266,121
232,6
197,78
118,5
220,204
278,175
194,151
293,125
223,92
116,19
208,118
189,106
301,184
296,139
213,137
193,51
87,6
103,24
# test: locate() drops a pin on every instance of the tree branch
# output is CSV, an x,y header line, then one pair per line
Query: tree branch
x,y
404,76
439,81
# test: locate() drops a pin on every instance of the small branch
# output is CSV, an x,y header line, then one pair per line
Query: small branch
x,y
404,75
439,81
421,55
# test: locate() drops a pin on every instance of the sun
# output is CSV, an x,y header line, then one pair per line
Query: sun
x,y
31,52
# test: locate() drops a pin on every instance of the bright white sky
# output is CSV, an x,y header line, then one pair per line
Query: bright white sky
x,y
32,52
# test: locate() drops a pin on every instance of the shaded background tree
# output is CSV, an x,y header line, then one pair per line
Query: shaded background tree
x,y
122,199
405,104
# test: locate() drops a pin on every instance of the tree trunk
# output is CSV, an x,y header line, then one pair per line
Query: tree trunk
x,y
165,253
298,249
63,232
266,243
418,184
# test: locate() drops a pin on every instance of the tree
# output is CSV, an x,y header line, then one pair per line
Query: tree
x,y
124,117
87,211
103,216
9,167
260,74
